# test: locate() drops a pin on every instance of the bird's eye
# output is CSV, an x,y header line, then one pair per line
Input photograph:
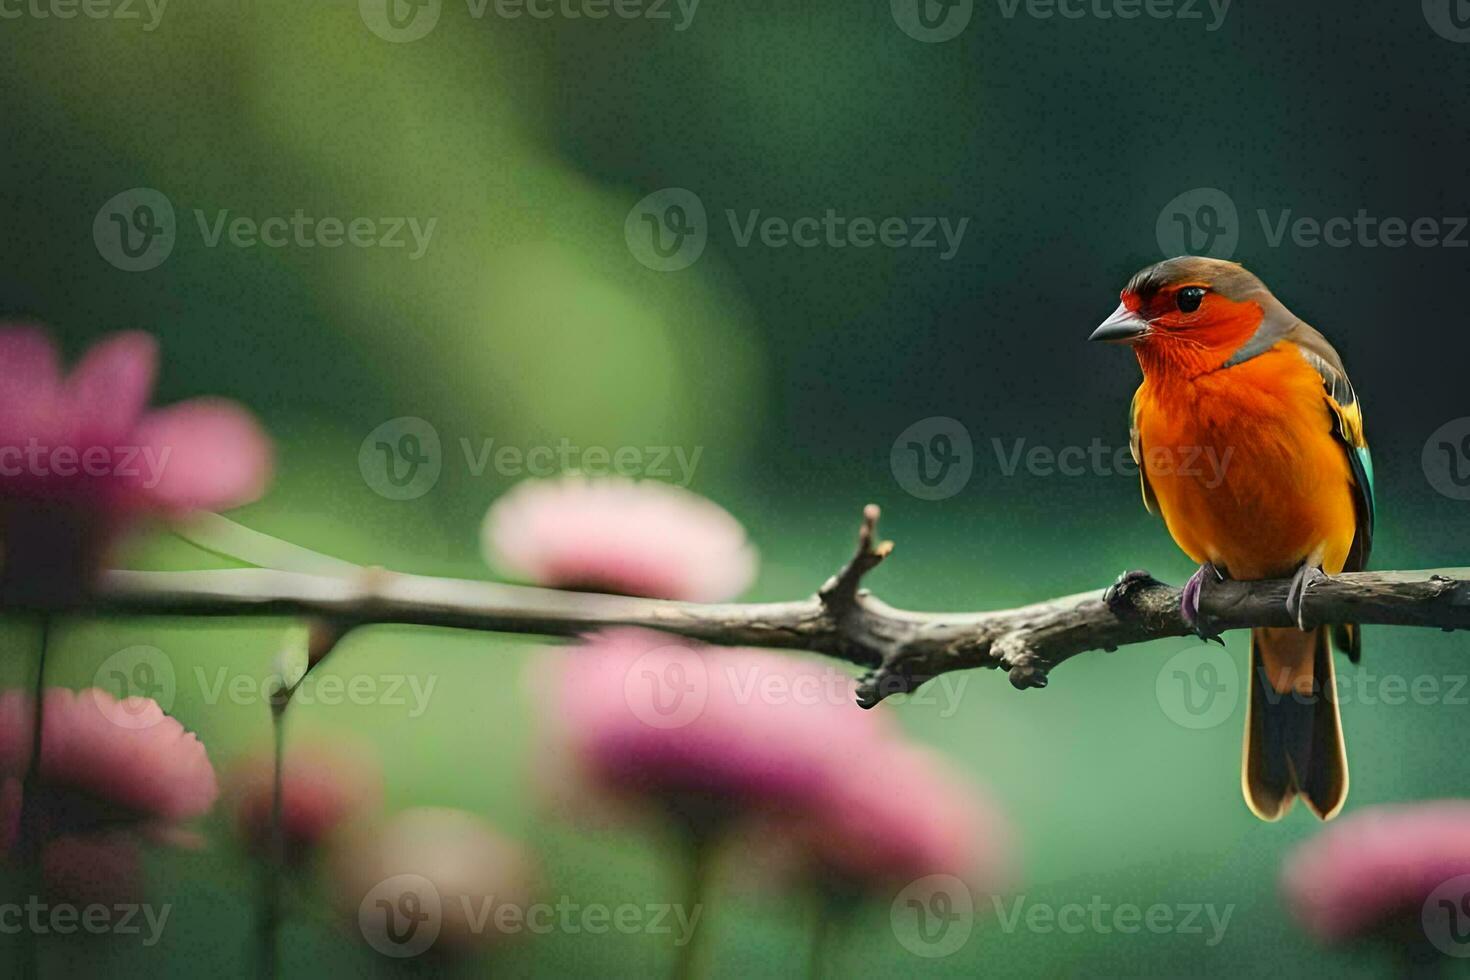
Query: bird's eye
x,y
1189,298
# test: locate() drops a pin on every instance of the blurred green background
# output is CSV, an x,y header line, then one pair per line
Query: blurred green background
x,y
530,319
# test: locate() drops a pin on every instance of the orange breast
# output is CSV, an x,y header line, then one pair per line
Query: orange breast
x,y
1245,466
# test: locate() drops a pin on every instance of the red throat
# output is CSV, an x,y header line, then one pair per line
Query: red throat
x,y
1185,346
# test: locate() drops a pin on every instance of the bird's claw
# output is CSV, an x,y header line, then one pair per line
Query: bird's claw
x,y
1116,595
1189,603
1306,576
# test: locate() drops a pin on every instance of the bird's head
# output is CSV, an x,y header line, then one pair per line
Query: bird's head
x,y
1190,310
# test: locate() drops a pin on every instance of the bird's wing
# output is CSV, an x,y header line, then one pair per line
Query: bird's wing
x,y
1135,446
1348,413
1278,325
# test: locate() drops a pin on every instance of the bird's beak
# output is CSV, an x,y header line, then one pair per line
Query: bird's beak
x,y
1123,327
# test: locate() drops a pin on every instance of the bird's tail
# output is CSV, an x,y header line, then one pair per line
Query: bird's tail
x,y
1293,733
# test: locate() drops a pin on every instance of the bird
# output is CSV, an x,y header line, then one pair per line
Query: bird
x,y
1249,442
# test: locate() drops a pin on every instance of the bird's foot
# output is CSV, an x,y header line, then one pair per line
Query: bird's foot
x,y
1189,602
1306,576
1116,597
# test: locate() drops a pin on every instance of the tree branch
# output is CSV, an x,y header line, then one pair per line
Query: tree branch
x,y
900,648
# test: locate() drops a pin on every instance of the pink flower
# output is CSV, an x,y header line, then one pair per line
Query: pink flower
x,y
322,786
907,815
82,457
451,867
610,534
1374,870
708,733
101,756
770,748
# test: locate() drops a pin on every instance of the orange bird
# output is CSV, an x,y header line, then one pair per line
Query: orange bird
x,y
1249,441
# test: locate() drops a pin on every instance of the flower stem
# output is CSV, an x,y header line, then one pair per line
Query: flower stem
x,y
689,957
819,951
270,891
30,806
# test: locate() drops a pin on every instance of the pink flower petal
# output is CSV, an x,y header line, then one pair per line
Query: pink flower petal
x,y
126,754
612,534
30,384
1376,867
323,785
209,454
109,387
